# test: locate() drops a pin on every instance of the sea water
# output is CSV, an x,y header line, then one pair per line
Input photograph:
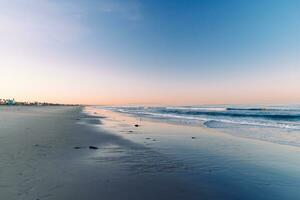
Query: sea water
x,y
278,124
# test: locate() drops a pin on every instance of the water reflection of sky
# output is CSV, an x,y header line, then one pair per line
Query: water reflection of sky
x,y
234,166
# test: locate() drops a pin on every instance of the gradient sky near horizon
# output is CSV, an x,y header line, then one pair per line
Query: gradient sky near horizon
x,y
150,51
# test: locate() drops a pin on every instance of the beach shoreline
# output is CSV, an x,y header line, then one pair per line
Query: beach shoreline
x,y
230,165
46,154
40,161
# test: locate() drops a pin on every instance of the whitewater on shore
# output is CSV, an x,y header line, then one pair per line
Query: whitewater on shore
x,y
278,124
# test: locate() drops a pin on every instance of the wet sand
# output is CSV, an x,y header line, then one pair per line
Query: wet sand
x,y
152,161
39,161
225,165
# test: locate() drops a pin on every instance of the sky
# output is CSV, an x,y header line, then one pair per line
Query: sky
x,y
109,52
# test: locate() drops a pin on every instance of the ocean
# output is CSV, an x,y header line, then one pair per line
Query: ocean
x,y
279,124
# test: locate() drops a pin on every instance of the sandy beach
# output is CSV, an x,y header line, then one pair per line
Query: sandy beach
x,y
63,153
39,161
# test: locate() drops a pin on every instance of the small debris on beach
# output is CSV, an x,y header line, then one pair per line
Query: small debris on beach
x,y
136,125
36,145
148,138
93,147
154,140
95,113
130,131
193,137
77,147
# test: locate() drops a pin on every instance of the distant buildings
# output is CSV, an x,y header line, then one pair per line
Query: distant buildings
x,y
7,102
13,102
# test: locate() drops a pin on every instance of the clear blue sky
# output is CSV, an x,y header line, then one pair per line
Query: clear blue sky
x,y
160,52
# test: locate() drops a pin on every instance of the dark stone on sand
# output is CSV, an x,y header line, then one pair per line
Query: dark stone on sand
x,y
130,131
148,138
95,113
193,137
93,147
77,147
36,145
93,116
102,117
154,140
93,121
136,125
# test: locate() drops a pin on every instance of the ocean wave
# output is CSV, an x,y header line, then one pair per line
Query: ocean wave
x,y
249,123
287,118
197,108
250,109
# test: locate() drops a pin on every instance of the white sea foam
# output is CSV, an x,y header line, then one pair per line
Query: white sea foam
x,y
239,116
278,125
